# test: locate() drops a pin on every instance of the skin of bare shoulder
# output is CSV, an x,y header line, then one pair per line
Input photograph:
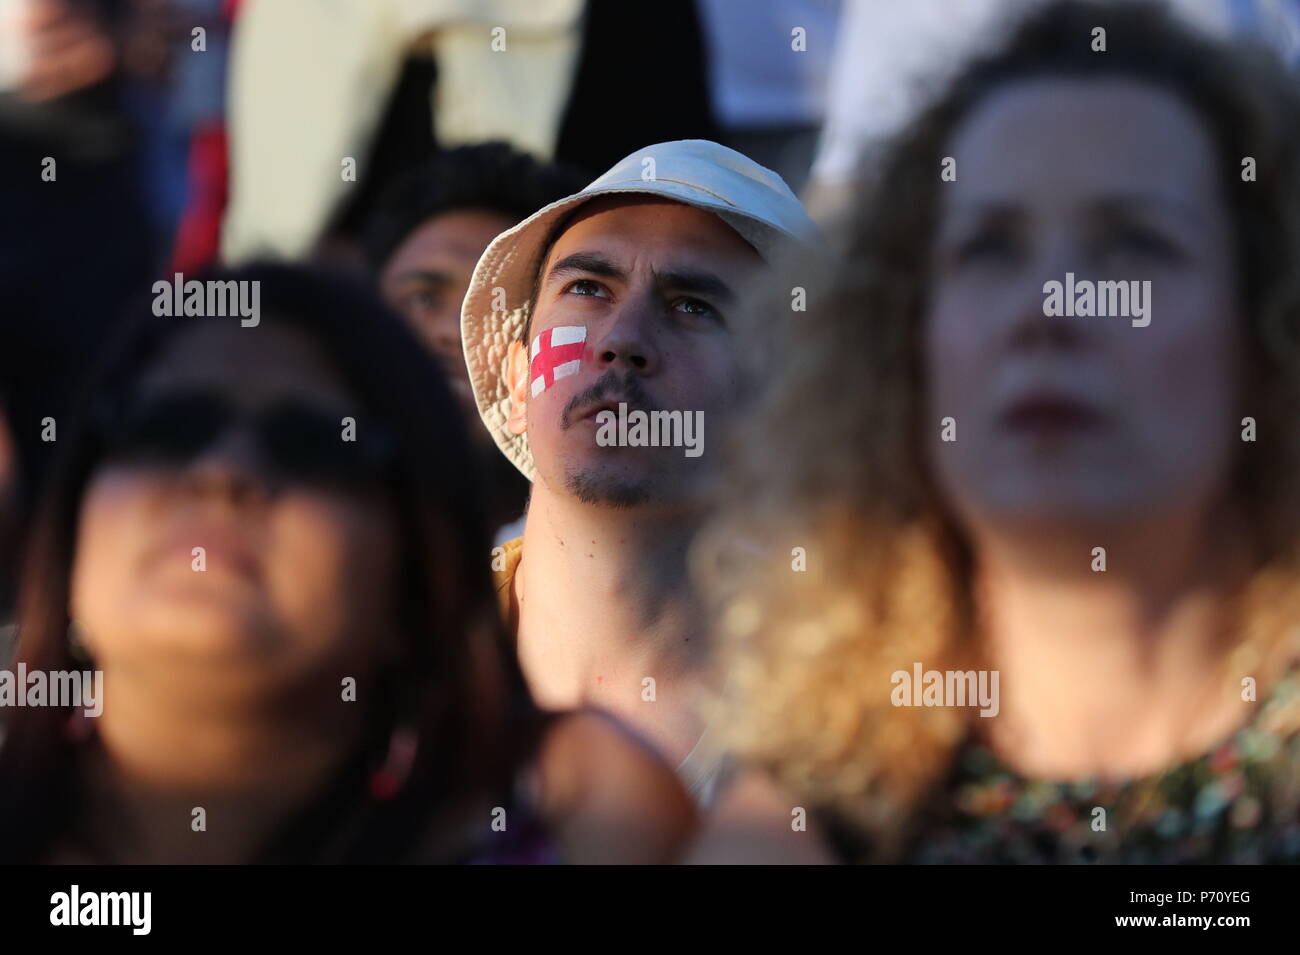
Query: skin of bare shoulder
x,y
752,824
608,797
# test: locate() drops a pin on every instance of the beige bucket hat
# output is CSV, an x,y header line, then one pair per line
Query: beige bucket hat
x,y
753,200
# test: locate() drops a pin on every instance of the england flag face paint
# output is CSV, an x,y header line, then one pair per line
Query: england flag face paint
x,y
556,354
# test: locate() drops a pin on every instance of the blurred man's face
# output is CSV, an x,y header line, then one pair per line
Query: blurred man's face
x,y
652,287
426,278
1061,419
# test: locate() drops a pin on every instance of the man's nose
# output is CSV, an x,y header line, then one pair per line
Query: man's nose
x,y
444,336
627,343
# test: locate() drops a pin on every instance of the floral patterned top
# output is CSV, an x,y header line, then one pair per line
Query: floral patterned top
x,y
1235,804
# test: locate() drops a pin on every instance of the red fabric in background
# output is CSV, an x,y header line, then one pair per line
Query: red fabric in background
x,y
198,238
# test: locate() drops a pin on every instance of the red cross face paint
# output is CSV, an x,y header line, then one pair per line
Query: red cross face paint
x,y
556,354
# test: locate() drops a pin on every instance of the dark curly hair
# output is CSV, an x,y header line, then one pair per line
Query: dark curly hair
x,y
492,176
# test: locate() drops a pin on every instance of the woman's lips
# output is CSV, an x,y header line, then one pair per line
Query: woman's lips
x,y
1045,412
224,548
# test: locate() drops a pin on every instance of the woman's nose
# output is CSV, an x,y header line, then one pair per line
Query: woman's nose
x,y
1033,323
232,467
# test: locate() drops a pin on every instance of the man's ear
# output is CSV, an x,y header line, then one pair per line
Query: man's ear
x,y
517,382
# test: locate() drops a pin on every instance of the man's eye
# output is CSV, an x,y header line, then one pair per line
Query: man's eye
x,y
585,287
423,300
693,306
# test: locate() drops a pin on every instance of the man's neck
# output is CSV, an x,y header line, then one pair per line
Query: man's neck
x,y
604,607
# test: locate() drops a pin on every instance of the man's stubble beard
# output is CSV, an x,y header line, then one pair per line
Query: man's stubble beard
x,y
601,490
651,487
589,483
596,484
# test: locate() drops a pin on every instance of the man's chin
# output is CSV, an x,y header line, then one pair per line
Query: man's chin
x,y
610,490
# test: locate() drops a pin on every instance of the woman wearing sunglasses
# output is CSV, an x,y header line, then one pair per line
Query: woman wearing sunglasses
x,y
269,540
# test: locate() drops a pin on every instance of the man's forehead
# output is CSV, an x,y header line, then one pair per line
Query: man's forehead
x,y
622,219
460,232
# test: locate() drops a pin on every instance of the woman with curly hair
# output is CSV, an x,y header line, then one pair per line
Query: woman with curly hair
x,y
1045,586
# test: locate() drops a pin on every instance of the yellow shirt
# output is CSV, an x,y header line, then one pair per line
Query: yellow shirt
x,y
505,561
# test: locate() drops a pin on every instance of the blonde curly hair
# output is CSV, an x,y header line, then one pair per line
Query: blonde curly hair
x,y
888,569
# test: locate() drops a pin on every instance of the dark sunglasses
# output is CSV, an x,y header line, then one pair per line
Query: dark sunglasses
x,y
298,444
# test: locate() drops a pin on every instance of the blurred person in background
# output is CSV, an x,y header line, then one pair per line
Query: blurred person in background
x,y
1101,513
330,100
423,240
295,630
622,298
97,100
77,223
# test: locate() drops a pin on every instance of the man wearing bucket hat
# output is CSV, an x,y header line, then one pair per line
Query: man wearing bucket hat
x,y
620,299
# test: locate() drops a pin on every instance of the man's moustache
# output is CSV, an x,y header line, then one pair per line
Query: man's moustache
x,y
627,391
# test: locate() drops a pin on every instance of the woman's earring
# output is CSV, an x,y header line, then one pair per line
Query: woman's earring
x,y
388,780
